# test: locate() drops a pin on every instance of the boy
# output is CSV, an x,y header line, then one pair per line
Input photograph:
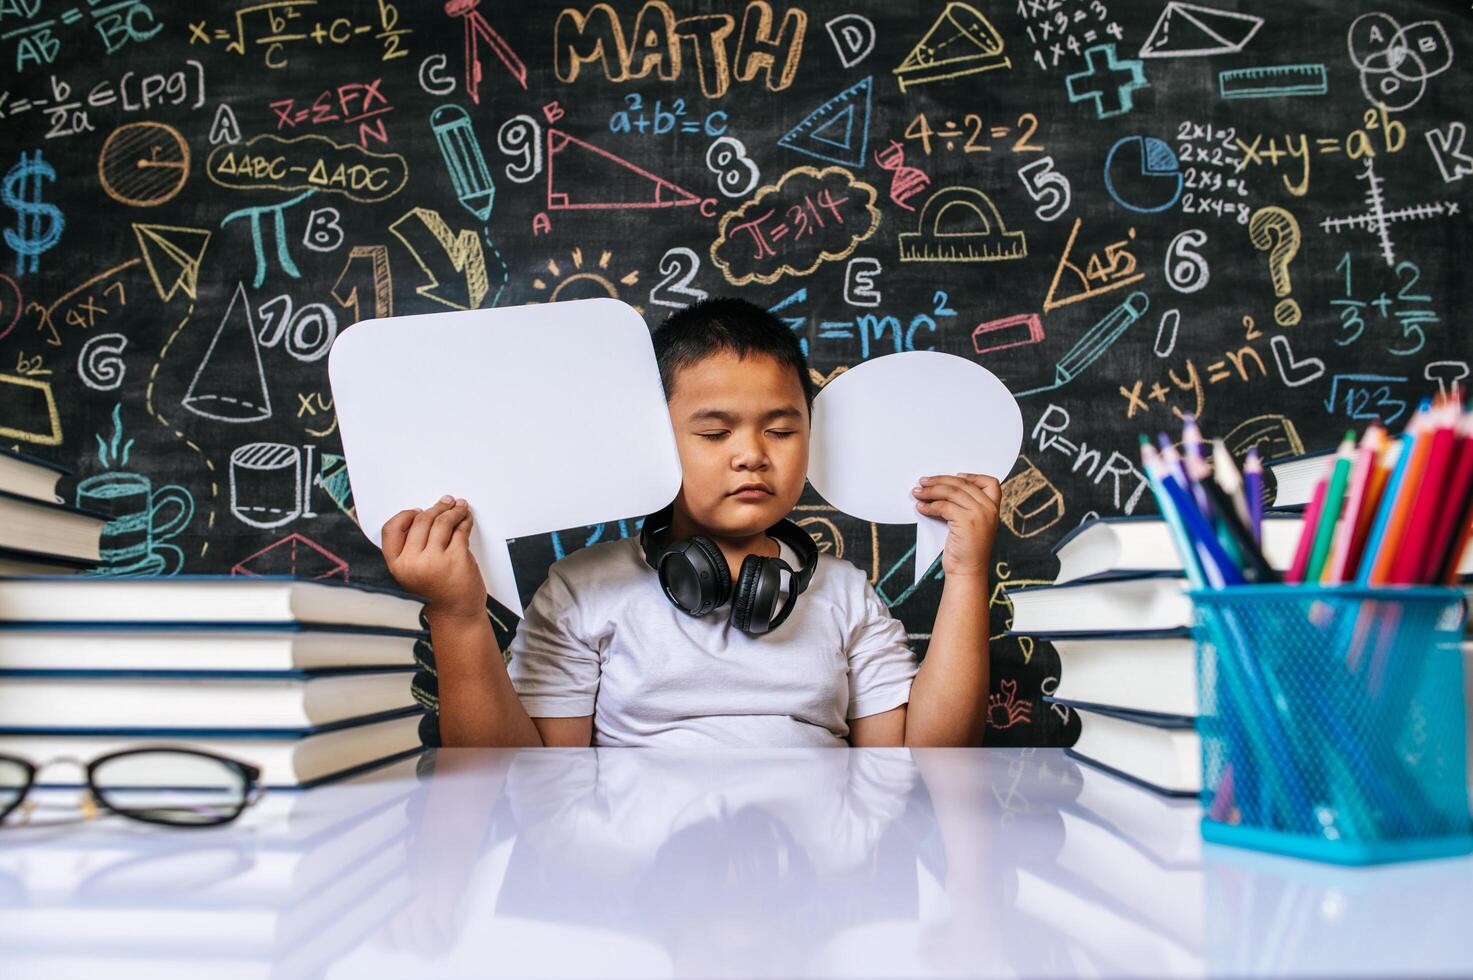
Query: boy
x,y
603,657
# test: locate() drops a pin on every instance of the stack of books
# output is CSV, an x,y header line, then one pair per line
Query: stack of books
x,y
310,681
1119,618
38,534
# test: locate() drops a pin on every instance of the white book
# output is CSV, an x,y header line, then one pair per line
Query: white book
x,y
1146,602
1144,544
1294,477
204,599
144,702
1164,754
30,476
14,563
297,760
1139,673
199,648
50,528
1131,545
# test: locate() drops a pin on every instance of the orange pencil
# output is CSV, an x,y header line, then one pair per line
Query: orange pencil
x,y
1416,536
1454,505
1419,434
1342,553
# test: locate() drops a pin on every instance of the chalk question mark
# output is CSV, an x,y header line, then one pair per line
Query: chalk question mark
x,y
1275,231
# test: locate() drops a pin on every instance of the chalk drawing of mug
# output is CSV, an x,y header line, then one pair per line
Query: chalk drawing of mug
x,y
134,542
271,483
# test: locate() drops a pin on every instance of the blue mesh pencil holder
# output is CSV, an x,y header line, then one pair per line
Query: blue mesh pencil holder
x,y
1332,721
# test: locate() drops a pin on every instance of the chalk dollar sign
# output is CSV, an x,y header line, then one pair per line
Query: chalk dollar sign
x,y
40,224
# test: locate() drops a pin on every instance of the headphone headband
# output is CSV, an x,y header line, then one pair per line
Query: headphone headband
x,y
695,578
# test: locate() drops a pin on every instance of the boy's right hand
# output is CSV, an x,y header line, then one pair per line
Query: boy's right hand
x,y
429,554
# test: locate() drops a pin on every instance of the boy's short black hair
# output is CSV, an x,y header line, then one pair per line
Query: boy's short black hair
x,y
725,323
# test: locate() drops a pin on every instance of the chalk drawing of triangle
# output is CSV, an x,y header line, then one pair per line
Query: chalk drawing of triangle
x,y
838,130
602,180
1191,30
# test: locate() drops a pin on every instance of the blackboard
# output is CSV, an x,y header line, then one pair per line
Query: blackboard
x,y
1257,212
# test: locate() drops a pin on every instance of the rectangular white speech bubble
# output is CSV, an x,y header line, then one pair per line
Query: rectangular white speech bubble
x,y
543,417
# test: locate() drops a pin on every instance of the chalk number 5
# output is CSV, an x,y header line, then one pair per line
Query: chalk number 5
x,y
1047,186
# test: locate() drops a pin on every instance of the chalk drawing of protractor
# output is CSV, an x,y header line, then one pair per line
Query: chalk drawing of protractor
x,y
961,224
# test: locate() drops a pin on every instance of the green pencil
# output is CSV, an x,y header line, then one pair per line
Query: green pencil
x,y
1324,534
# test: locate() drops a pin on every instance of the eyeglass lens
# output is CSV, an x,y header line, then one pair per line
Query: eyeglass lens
x,y
200,790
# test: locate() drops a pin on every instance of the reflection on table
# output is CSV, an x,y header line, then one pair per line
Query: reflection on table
x,y
564,862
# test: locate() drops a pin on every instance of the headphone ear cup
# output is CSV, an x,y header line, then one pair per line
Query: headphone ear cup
x,y
720,574
754,571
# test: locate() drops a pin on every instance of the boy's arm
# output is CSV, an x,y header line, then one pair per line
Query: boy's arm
x,y
478,705
948,699
428,553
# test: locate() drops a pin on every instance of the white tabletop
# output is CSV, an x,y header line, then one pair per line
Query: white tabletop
x,y
631,862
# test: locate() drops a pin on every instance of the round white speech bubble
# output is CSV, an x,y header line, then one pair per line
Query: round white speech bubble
x,y
883,424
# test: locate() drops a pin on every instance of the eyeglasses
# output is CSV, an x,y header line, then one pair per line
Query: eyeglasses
x,y
172,786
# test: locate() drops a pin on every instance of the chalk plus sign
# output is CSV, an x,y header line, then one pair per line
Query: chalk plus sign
x,y
1107,77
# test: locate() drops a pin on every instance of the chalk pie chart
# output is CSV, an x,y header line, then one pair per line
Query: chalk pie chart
x,y
1143,174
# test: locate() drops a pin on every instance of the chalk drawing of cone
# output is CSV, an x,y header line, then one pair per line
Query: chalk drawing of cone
x,y
229,385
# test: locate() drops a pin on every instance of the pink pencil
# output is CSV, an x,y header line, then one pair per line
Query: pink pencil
x,y
1345,535
1296,571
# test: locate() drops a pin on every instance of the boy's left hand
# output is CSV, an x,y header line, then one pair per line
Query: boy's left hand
x,y
968,502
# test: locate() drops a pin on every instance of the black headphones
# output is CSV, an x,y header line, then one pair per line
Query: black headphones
x,y
696,578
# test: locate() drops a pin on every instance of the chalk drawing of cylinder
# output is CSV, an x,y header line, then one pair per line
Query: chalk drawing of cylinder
x,y
269,485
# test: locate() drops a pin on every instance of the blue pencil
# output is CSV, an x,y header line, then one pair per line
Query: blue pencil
x,y
1189,560
1217,569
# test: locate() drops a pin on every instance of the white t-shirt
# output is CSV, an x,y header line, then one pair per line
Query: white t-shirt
x,y
600,638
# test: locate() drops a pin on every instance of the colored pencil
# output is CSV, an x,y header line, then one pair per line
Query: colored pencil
x,y
1171,461
1405,497
1253,492
1445,534
1329,515
1217,568
1302,550
1225,472
1454,560
1387,504
1359,507
1417,542
1235,537
1194,462
1191,563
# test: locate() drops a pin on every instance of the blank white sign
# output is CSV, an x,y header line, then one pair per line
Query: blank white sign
x,y
543,417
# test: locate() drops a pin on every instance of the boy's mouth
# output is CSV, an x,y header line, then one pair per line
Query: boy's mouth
x,y
752,490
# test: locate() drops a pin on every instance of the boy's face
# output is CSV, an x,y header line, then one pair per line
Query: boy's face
x,y
738,422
